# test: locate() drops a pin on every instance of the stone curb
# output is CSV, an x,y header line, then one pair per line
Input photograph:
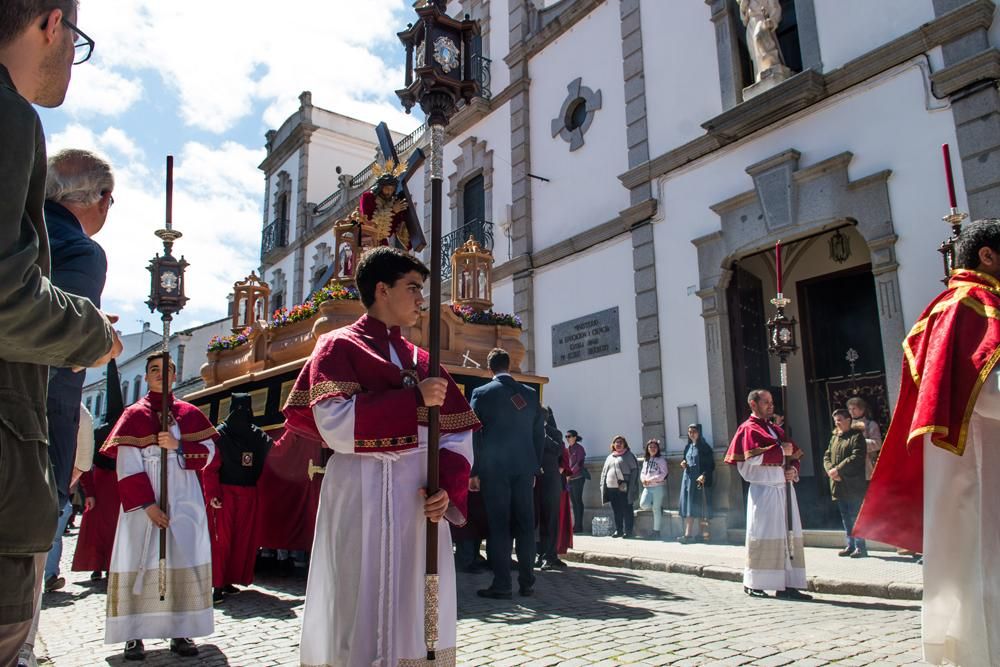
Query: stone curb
x,y
890,590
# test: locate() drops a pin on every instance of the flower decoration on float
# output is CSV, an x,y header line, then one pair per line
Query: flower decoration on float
x,y
303,311
231,342
488,317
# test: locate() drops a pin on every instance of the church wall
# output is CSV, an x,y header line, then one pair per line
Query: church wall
x,y
327,152
583,190
285,265
499,45
871,122
503,295
291,165
597,397
681,71
850,28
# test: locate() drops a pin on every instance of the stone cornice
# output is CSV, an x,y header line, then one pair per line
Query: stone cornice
x,y
569,17
471,114
743,120
982,66
519,264
295,139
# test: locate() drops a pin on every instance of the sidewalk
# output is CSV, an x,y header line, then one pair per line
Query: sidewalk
x,y
883,574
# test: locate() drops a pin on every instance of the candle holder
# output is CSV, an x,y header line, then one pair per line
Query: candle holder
x,y
955,218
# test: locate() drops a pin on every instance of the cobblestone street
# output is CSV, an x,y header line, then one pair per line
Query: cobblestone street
x,y
587,615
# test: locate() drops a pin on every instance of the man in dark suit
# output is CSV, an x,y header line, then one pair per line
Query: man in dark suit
x,y
508,456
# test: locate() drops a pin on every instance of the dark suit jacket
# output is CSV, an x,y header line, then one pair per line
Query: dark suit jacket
x,y
513,434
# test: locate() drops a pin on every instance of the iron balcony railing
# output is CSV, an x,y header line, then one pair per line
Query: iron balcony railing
x,y
275,235
480,230
481,71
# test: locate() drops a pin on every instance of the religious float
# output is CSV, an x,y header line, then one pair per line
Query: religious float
x,y
263,357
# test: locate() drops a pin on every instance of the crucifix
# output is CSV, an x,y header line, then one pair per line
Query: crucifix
x,y
388,150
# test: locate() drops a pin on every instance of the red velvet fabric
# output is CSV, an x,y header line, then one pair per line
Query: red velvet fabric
x,y
949,353
753,437
139,424
136,491
234,532
98,525
287,498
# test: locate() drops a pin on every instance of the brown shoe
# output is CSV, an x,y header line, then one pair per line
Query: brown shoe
x,y
844,553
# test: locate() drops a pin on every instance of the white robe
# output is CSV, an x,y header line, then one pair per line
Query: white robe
x,y
769,566
365,592
961,610
134,610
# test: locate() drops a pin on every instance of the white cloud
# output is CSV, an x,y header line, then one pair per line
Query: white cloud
x,y
222,61
98,90
217,194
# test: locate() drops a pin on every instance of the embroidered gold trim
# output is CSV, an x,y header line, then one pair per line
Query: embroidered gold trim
x,y
200,435
442,658
458,421
188,589
770,553
300,398
402,442
130,441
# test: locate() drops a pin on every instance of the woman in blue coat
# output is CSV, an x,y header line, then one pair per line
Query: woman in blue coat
x,y
696,496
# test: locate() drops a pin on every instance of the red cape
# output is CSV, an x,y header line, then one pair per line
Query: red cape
x,y
753,438
139,424
948,355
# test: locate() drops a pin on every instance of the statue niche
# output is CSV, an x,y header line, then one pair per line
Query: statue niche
x,y
761,18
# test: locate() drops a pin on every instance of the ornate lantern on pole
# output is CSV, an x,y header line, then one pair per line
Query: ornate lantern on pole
x,y
439,73
166,295
955,218
471,279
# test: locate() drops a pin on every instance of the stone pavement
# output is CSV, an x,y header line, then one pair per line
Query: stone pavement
x,y
587,615
883,574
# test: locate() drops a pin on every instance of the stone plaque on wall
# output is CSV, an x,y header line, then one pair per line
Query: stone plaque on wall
x,y
586,337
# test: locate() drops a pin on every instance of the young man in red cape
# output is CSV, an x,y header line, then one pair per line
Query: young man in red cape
x,y
365,392
775,556
135,610
936,487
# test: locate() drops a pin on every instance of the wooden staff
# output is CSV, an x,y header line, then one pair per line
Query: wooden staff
x,y
165,395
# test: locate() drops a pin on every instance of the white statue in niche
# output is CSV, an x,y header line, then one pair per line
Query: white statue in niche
x,y
761,17
465,285
482,286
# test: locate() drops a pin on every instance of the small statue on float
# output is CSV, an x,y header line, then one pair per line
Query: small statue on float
x,y
384,208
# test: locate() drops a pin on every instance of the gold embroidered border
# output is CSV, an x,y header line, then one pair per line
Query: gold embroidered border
x,y
200,435
385,443
301,398
455,422
770,553
130,441
188,589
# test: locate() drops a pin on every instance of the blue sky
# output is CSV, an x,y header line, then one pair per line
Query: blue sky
x,y
196,80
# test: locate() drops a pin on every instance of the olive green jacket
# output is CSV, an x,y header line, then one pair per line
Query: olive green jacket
x,y
40,326
846,453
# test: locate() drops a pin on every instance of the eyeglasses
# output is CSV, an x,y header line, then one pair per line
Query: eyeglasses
x,y
111,198
83,45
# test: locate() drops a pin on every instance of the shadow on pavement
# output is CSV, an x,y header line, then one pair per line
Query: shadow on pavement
x,y
579,593
209,655
253,603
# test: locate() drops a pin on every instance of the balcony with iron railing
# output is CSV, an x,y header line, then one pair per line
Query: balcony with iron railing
x,y
481,72
481,230
274,236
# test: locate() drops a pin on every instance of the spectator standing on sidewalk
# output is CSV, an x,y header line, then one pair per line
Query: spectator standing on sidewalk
x,y
548,494
844,462
78,197
620,486
696,499
862,421
40,325
578,476
653,477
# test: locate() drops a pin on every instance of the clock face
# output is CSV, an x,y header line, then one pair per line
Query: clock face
x,y
446,54
785,335
169,281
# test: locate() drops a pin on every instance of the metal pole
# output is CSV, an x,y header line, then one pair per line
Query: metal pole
x,y
431,581
788,459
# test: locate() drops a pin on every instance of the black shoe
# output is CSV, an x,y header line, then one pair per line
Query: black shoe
x,y
217,596
684,539
754,592
792,594
183,647
494,594
526,591
134,650
860,553
229,589
554,564
96,575
629,536
539,561
616,534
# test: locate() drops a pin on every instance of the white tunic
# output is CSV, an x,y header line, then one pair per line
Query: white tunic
x,y
365,591
769,566
134,610
961,610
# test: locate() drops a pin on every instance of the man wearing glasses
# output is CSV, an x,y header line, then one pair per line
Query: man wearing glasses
x,y
40,325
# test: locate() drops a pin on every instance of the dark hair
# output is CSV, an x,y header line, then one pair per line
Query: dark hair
x,y
384,265
158,356
17,15
975,236
619,437
659,448
498,360
755,395
841,412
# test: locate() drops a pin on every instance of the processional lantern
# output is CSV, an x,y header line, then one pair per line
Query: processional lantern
x,y
439,73
251,300
955,218
471,275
